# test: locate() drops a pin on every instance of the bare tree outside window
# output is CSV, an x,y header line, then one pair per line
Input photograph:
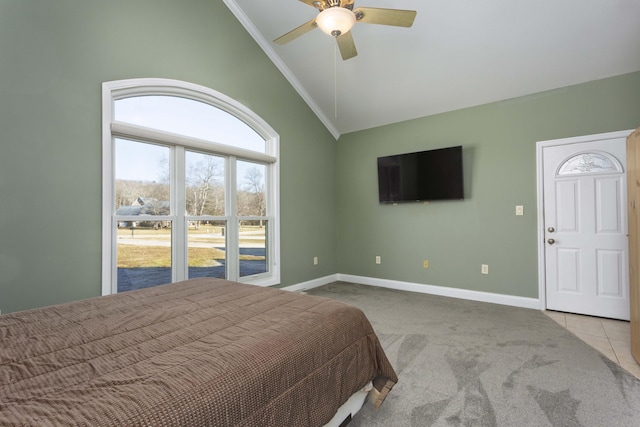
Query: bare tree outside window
x,y
205,185
251,194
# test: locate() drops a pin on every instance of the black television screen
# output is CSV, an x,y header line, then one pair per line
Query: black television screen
x,y
422,176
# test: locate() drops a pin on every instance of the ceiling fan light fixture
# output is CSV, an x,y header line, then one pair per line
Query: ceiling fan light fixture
x,y
336,20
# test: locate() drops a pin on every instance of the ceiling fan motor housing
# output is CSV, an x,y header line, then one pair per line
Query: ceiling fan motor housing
x,y
335,20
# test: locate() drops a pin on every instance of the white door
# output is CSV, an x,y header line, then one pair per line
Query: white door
x,y
585,228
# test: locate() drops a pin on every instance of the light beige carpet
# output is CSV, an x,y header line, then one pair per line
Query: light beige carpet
x,y
466,363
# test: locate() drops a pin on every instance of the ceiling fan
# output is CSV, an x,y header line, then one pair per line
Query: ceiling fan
x,y
337,17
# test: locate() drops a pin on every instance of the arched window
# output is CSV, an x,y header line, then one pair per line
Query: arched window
x,y
591,162
190,187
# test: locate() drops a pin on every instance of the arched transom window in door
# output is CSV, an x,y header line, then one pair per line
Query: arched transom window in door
x,y
190,181
590,162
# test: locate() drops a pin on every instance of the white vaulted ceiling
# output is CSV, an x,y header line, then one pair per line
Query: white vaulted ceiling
x,y
457,54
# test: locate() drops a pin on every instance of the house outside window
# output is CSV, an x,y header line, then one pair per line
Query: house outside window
x,y
190,187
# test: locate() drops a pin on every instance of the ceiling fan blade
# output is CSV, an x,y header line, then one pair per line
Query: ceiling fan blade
x,y
296,32
346,45
395,17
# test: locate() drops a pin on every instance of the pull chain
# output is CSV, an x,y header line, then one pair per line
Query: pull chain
x,y
335,80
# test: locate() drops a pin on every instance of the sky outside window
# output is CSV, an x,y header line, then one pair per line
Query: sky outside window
x,y
190,118
181,116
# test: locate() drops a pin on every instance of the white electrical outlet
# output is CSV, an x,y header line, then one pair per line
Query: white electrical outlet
x,y
378,259
484,269
315,260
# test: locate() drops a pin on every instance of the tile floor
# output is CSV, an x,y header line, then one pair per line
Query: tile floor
x,y
610,337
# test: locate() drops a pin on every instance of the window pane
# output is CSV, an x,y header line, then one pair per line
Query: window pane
x,y
250,195
205,184
207,249
144,254
142,178
253,247
190,118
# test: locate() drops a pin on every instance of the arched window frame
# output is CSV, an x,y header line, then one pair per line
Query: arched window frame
x,y
114,90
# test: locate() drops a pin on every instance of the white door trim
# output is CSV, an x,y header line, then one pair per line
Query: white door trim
x,y
540,145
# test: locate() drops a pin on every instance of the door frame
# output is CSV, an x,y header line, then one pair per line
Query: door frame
x,y
540,146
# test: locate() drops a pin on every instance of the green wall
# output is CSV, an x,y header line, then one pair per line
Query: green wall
x,y
54,56
499,157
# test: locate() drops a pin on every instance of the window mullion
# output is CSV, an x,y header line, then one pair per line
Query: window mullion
x,y
179,237
233,253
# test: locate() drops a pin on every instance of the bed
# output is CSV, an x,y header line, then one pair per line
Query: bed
x,y
203,352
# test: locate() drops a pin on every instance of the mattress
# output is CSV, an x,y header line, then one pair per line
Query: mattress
x,y
203,352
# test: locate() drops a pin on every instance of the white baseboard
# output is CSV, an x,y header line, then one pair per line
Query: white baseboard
x,y
312,283
501,299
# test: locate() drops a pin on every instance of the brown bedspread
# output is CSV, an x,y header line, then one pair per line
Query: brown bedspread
x,y
204,352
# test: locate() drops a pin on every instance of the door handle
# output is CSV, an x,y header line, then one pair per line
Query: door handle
x,y
551,229
551,241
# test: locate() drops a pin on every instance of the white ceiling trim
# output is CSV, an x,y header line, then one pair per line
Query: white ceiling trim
x,y
266,47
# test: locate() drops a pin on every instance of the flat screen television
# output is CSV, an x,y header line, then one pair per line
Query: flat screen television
x,y
422,176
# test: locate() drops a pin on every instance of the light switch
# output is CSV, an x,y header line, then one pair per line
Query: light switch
x,y
519,210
